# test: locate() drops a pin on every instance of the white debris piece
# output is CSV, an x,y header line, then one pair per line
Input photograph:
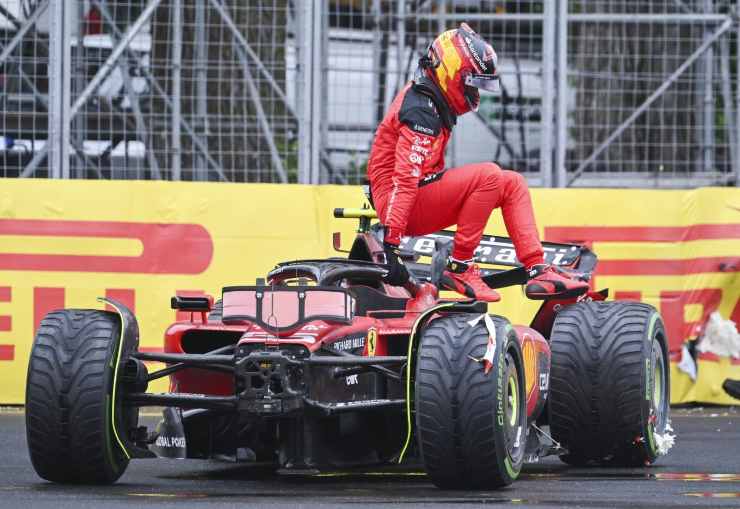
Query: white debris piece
x,y
687,363
720,337
666,440
487,358
490,326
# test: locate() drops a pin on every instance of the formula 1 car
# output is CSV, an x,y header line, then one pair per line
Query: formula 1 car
x,y
323,366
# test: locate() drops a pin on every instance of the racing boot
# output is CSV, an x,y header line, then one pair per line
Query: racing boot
x,y
548,281
464,278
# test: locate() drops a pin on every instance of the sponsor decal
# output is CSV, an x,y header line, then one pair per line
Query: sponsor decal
x,y
350,343
544,382
421,150
164,441
491,249
422,129
415,158
352,380
422,141
372,341
530,362
500,391
476,56
432,177
157,242
350,404
396,331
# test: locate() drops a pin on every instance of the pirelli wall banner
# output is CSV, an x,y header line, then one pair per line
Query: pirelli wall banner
x,y
64,243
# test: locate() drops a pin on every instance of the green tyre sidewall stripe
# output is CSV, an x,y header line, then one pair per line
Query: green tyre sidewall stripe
x,y
114,387
409,369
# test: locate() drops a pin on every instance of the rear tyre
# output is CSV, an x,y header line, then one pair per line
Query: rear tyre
x,y
609,383
471,426
68,398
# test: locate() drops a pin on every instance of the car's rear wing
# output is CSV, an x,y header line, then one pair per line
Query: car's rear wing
x,y
497,250
492,250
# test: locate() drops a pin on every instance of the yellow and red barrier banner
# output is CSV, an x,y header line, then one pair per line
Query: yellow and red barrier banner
x,y
64,243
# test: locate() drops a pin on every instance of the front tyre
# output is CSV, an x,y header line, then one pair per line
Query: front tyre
x,y
471,426
609,384
69,391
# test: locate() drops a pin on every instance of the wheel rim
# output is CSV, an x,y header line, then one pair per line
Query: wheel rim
x,y
513,420
512,398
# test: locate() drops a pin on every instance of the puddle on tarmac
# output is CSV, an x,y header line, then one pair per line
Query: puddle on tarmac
x,y
695,476
709,494
350,496
622,476
241,473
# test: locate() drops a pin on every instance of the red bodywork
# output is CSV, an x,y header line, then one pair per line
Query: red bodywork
x,y
314,334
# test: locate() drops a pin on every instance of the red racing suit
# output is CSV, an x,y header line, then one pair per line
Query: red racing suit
x,y
415,195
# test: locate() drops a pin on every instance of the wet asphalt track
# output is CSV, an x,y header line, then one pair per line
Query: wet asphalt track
x,y
703,470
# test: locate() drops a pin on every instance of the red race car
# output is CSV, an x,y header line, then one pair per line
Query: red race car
x,y
323,366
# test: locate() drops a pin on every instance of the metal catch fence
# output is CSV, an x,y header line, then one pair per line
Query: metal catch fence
x,y
593,92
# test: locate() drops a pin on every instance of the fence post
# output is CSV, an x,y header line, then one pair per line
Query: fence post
x,y
548,88
322,108
708,140
60,76
200,170
303,90
561,115
308,19
176,89
737,103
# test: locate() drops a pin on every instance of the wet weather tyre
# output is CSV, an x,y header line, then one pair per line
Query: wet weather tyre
x,y
68,398
470,426
609,383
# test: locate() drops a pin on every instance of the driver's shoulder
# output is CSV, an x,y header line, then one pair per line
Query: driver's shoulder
x,y
419,113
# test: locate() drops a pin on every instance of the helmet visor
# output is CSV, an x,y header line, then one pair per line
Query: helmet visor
x,y
487,82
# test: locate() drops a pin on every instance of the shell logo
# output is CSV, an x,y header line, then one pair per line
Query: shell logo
x,y
530,362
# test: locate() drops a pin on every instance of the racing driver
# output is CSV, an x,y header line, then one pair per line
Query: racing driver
x,y
415,194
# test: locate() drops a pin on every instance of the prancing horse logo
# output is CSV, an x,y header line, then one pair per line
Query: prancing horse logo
x,y
372,338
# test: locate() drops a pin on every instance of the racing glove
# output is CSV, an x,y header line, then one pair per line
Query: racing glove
x,y
397,275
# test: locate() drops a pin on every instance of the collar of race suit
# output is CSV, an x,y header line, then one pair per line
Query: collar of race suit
x,y
425,85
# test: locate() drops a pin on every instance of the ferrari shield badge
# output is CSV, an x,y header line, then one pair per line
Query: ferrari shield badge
x,y
372,340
